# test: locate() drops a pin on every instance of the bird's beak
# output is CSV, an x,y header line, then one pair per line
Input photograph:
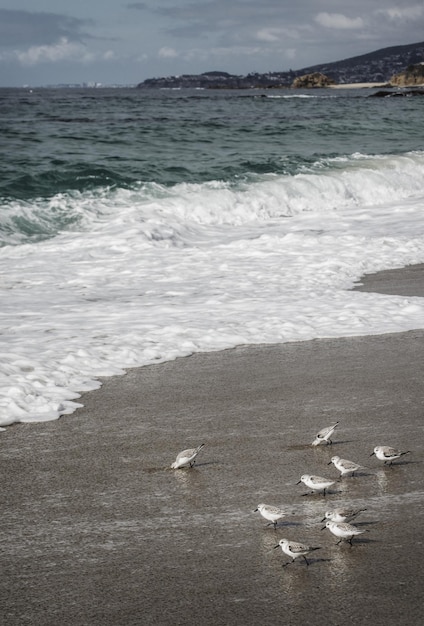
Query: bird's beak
x,y
277,546
329,463
372,454
323,520
298,483
255,510
324,527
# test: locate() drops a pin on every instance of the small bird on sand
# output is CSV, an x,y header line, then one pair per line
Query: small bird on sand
x,y
270,512
342,514
317,483
186,458
343,530
295,550
324,435
388,454
344,466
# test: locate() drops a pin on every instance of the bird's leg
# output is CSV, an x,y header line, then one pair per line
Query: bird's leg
x,y
306,560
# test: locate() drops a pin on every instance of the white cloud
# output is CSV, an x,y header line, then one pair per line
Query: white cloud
x,y
167,53
109,55
408,13
339,21
63,50
272,34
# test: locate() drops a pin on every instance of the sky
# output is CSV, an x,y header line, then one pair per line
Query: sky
x,y
121,42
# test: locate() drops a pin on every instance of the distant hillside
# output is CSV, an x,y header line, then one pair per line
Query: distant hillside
x,y
374,67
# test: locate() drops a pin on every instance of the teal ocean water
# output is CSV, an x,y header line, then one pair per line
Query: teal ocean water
x,y
94,140
137,226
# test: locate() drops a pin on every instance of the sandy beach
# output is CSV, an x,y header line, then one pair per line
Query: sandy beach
x,y
360,85
373,86
97,530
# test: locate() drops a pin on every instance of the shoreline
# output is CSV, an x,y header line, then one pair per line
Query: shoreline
x,y
97,530
403,281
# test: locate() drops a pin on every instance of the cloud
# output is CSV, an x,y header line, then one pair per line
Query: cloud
x,y
35,38
272,34
407,13
109,55
188,19
63,50
167,53
338,21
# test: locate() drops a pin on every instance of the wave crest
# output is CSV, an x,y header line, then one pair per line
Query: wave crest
x,y
172,213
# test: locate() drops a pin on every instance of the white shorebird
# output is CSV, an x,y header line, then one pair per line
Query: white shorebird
x,y
317,483
295,550
187,458
388,454
324,435
344,466
342,514
270,512
343,530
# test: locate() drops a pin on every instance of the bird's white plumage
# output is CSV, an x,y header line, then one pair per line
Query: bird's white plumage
x,y
324,435
342,514
270,512
343,530
387,453
317,483
186,458
344,466
295,549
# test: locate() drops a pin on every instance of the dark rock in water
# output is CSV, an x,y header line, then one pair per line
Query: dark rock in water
x,y
400,94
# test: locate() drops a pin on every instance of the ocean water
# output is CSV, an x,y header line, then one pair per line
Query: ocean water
x,y
137,227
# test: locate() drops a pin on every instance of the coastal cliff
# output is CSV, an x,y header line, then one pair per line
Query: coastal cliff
x,y
412,76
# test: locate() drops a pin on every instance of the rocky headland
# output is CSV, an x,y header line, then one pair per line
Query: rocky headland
x,y
411,77
387,66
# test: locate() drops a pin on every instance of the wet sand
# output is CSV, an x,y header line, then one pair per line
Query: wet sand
x,y
406,281
97,530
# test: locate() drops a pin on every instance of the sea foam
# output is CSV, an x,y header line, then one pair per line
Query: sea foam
x,y
145,275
